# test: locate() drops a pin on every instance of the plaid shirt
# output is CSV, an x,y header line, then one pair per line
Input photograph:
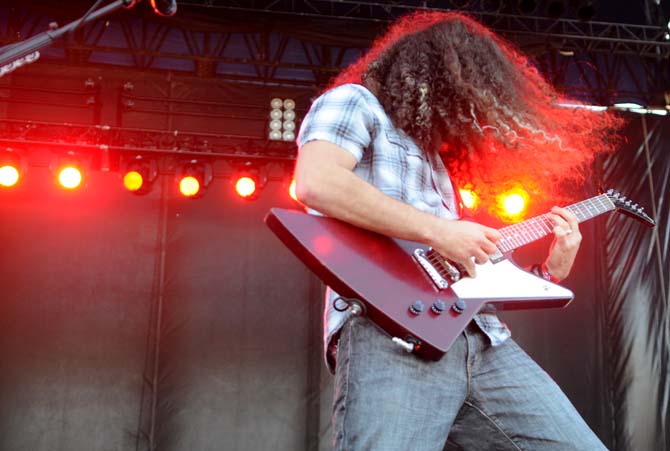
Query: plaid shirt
x,y
352,118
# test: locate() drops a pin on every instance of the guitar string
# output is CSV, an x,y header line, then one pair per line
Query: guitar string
x,y
519,234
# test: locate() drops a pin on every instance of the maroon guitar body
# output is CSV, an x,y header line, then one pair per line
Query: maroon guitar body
x,y
410,291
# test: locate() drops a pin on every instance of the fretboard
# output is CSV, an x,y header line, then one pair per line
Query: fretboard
x,y
522,233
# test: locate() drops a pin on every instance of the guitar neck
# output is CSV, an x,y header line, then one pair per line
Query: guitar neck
x,y
533,229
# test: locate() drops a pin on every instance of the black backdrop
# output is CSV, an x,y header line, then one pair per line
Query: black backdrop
x,y
134,323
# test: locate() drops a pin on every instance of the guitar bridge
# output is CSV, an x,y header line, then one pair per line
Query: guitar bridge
x,y
436,270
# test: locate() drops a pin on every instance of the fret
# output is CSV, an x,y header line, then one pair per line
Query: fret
x,y
522,233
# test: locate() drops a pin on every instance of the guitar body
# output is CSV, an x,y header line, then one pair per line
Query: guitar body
x,y
383,274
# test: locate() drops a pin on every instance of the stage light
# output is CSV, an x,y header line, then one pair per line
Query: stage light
x,y
289,104
469,198
70,168
249,180
12,167
276,115
189,186
70,177
193,177
139,174
245,187
512,204
289,115
282,120
133,181
9,175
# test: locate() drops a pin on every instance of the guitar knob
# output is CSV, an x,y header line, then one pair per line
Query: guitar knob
x,y
438,307
416,308
459,306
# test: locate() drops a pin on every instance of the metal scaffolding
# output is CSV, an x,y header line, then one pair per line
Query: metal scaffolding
x,y
250,42
590,59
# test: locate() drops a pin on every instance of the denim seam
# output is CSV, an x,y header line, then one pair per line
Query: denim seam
x,y
495,423
345,384
468,369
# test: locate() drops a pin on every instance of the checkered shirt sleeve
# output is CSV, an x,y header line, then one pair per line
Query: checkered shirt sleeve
x,y
340,116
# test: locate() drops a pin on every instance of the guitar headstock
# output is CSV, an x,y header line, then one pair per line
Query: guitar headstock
x,y
627,207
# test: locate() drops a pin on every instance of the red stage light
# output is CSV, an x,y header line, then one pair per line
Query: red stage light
x,y
512,204
133,181
13,167
193,177
245,186
189,186
140,173
70,177
9,176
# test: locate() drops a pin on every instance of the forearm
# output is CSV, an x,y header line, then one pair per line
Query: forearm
x,y
339,193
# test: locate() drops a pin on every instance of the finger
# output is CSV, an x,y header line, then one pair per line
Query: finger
x,y
562,228
568,216
489,247
480,257
470,268
562,232
559,221
492,234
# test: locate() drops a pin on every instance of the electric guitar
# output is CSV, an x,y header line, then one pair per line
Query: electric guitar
x,y
418,297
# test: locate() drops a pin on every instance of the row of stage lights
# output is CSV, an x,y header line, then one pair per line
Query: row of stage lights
x,y
192,177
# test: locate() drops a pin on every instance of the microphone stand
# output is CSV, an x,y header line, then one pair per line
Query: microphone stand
x,y
18,54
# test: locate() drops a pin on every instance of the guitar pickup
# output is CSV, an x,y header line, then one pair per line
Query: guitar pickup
x,y
433,273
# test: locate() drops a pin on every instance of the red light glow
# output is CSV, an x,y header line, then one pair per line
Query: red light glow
x,y
245,186
189,186
323,245
9,176
70,177
512,204
133,181
291,190
469,198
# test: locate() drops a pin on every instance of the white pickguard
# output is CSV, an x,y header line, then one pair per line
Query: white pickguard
x,y
505,280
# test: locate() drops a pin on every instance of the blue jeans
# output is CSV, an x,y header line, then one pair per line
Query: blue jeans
x,y
480,397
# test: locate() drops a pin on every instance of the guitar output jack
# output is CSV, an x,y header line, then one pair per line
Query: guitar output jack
x,y
351,305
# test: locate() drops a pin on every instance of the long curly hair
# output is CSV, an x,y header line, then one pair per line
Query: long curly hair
x,y
459,89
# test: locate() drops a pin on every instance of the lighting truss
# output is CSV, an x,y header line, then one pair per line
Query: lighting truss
x,y
105,141
644,40
607,59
